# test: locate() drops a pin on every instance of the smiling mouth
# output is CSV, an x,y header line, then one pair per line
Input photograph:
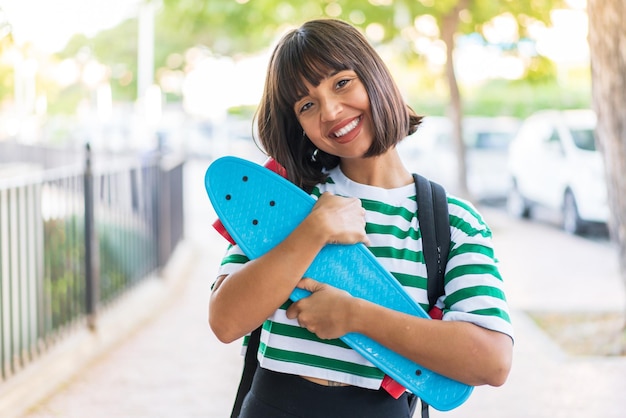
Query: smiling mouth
x,y
348,128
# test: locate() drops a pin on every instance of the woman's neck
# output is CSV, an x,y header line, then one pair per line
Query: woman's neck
x,y
386,170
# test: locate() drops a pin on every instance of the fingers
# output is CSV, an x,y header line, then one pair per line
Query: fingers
x,y
343,218
322,312
309,284
292,311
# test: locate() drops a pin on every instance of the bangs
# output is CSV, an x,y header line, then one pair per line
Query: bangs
x,y
304,59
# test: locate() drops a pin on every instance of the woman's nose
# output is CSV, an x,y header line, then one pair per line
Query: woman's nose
x,y
330,108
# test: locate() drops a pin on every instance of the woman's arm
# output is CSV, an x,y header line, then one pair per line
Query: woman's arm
x,y
242,300
456,349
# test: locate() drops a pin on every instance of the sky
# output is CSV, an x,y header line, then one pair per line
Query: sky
x,y
51,23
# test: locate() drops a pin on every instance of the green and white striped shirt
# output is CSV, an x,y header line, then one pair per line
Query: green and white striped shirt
x,y
473,286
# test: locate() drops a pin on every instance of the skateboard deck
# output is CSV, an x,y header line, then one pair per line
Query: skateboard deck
x,y
259,209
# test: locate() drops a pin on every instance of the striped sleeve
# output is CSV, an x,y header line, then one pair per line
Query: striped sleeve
x,y
233,260
473,284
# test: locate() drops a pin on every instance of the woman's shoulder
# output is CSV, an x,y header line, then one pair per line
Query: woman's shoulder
x,y
463,213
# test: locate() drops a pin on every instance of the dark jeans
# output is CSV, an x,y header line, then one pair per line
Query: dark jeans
x,y
279,395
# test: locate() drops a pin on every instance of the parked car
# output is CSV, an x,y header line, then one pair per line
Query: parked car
x,y
554,163
430,151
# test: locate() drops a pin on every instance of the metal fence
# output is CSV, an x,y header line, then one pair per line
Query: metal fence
x,y
73,239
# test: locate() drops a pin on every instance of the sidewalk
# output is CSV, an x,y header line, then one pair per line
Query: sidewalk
x,y
174,367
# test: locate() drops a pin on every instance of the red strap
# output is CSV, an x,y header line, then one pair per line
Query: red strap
x,y
275,167
219,227
436,313
394,388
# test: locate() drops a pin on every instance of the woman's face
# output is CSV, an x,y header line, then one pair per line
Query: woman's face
x,y
336,115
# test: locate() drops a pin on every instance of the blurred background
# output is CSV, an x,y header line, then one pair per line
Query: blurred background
x,y
115,73
111,110
134,75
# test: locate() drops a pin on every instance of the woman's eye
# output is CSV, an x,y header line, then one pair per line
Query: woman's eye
x,y
305,107
342,83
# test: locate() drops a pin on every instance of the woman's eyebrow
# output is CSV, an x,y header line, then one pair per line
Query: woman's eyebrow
x,y
298,100
331,73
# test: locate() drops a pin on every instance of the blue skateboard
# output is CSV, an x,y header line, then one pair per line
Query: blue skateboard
x,y
259,209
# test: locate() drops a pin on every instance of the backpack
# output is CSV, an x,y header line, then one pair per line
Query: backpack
x,y
435,228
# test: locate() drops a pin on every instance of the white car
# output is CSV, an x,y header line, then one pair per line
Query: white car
x,y
430,151
553,163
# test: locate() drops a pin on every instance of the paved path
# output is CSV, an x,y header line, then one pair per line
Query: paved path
x,y
174,367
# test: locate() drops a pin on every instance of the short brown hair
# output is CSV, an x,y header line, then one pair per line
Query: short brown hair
x,y
310,53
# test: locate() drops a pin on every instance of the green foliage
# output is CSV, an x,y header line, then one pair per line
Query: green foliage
x,y
64,283
6,71
6,82
229,27
245,112
65,101
117,49
226,27
484,10
520,98
541,69
126,254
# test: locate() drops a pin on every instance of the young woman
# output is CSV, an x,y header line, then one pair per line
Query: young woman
x,y
332,115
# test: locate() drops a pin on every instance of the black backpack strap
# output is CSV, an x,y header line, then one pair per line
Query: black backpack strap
x,y
432,205
434,223
249,367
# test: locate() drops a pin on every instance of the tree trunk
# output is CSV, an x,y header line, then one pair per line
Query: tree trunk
x,y
449,27
607,44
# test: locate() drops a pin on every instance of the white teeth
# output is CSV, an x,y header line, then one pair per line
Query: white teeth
x,y
347,128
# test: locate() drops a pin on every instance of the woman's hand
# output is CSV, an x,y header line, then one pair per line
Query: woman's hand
x,y
326,312
342,218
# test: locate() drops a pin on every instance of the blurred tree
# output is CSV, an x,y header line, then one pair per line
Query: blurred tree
x,y
456,17
607,42
117,49
6,67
